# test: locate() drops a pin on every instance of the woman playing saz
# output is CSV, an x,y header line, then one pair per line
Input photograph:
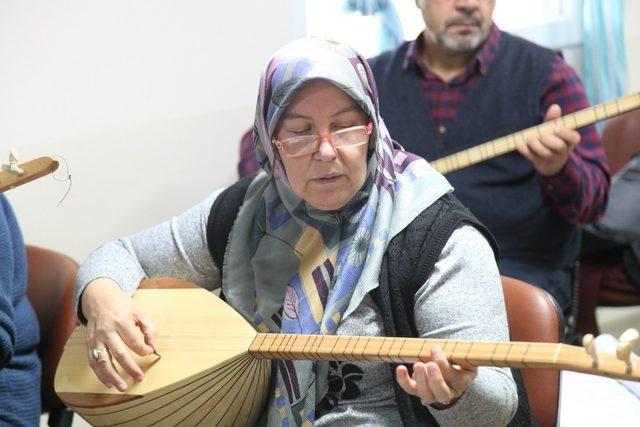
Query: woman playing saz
x,y
310,252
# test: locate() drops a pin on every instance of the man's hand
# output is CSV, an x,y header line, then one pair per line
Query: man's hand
x,y
550,153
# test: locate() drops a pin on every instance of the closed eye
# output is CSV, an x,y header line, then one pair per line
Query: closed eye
x,y
299,132
344,126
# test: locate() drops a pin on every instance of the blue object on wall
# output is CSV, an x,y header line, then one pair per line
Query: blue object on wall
x,y
605,64
391,34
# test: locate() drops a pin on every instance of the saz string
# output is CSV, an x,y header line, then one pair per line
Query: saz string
x,y
507,144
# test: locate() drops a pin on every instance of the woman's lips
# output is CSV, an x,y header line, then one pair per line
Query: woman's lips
x,y
327,179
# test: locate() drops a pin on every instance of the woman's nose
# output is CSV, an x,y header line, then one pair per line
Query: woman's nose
x,y
326,151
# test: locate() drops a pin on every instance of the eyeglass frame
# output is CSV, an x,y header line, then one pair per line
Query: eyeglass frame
x,y
322,137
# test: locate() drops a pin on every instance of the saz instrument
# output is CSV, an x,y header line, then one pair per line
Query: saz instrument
x,y
215,368
506,144
14,175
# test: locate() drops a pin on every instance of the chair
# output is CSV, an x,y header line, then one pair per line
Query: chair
x,y
534,316
621,139
600,269
51,279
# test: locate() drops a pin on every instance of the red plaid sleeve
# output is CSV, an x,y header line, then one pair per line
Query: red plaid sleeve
x,y
579,192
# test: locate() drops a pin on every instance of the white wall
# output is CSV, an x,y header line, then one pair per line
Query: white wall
x,y
146,100
632,43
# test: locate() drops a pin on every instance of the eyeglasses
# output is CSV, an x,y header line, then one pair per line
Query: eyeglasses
x,y
298,146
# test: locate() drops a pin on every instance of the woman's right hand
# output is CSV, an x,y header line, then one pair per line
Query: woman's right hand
x,y
115,323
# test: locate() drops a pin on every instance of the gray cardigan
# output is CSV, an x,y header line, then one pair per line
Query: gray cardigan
x,y
179,248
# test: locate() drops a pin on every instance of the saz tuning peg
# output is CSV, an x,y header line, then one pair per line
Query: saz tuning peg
x,y
13,165
627,341
588,342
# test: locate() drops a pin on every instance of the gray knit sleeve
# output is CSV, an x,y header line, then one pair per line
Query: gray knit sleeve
x,y
175,248
463,299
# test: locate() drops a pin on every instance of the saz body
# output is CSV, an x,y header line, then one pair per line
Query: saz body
x,y
215,368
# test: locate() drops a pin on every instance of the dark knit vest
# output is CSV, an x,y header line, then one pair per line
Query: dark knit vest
x,y
406,266
504,193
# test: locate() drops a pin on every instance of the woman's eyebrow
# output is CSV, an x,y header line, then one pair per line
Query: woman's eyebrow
x,y
346,110
293,116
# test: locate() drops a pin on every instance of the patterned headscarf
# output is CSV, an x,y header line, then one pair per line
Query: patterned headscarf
x,y
292,268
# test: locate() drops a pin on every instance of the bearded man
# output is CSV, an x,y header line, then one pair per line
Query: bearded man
x,y
463,82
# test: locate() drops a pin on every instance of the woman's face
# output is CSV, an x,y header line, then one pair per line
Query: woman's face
x,y
328,178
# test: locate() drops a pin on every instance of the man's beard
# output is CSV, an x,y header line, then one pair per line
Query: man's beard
x,y
466,42
462,44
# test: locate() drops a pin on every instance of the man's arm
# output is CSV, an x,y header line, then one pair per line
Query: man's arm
x,y
580,189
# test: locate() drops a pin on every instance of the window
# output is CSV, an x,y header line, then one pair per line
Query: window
x,y
327,18
556,24
553,23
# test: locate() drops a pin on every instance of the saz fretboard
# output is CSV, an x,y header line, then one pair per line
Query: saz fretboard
x,y
506,144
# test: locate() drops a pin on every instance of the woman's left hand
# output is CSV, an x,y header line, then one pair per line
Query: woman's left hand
x,y
436,382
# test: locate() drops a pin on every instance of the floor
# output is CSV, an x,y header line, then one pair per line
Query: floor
x,y
612,320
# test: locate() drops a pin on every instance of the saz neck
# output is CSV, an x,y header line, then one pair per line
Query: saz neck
x,y
506,144
461,352
32,170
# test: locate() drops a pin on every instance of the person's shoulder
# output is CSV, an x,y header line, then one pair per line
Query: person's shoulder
x,y
389,56
5,207
525,61
445,216
442,208
525,46
444,204
231,198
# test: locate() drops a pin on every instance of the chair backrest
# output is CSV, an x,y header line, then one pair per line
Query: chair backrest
x,y
534,316
621,139
50,285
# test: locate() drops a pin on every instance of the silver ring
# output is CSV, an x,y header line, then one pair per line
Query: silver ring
x,y
97,352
